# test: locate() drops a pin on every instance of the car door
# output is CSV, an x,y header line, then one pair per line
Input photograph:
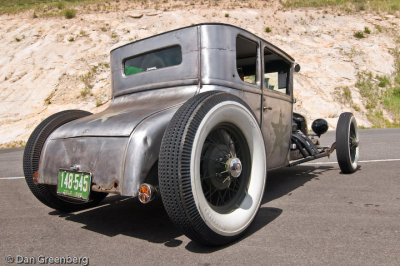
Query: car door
x,y
276,108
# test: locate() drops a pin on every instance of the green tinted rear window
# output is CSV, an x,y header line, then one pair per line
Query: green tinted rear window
x,y
166,57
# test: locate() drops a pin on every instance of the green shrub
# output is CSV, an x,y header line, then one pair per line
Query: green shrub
x,y
367,30
268,29
99,102
383,81
396,92
70,13
359,35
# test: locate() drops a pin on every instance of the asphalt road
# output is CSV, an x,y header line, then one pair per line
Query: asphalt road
x,y
311,215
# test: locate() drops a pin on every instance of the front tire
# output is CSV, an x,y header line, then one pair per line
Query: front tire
x,y
347,143
212,168
47,193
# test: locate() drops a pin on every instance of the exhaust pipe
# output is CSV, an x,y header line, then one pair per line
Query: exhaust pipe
x,y
146,193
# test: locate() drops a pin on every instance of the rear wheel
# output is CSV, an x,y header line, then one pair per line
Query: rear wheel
x,y
47,193
212,168
347,143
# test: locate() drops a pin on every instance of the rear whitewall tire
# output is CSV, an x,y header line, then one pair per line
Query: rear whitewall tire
x,y
214,137
237,221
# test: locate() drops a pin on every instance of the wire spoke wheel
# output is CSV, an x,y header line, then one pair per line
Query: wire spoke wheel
x,y
353,142
212,168
224,168
347,143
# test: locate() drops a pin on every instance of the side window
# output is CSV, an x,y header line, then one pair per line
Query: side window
x,y
276,72
246,59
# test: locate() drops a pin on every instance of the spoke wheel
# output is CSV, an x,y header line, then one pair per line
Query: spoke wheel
x,y
225,168
212,168
347,143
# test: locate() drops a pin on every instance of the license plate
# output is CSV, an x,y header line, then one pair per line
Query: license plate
x,y
74,184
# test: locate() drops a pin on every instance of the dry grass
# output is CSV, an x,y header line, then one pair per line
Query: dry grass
x,y
390,6
13,144
14,6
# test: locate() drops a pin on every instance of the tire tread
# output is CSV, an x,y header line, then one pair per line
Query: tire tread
x,y
31,159
342,145
174,168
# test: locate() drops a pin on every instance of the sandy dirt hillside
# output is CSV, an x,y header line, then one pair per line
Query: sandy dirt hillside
x,y
49,64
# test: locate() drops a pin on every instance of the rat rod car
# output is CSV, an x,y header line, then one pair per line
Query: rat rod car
x,y
198,115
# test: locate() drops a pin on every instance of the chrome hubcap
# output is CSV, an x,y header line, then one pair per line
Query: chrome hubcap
x,y
224,177
234,167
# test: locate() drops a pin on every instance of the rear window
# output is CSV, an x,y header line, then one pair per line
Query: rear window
x,y
153,60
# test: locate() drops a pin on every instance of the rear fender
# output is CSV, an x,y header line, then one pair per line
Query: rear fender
x,y
143,150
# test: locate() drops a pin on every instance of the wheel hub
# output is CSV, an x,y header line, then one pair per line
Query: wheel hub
x,y
234,167
355,142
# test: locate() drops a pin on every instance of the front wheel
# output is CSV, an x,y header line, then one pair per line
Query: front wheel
x,y
212,168
347,143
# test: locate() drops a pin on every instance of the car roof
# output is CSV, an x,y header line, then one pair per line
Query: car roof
x,y
206,24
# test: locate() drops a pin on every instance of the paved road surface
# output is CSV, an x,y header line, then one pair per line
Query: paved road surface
x,y
310,215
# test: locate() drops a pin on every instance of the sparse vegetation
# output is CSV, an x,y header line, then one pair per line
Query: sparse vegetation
x,y
368,89
83,33
379,93
268,29
344,96
47,101
367,30
392,94
227,15
71,39
383,81
359,35
104,64
356,107
60,5
88,78
70,13
13,144
99,102
348,5
18,39
7,6
378,28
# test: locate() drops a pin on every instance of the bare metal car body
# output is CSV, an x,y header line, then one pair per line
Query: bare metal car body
x,y
121,144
